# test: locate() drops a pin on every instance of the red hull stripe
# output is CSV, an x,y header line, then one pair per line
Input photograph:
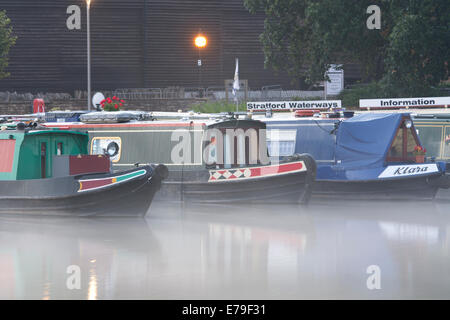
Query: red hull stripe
x,y
255,173
89,185
277,169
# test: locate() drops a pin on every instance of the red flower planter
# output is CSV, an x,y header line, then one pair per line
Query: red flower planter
x,y
420,159
113,104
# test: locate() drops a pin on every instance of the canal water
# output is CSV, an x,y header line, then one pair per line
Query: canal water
x,y
325,251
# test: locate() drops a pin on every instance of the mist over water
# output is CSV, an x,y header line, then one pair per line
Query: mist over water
x,y
233,252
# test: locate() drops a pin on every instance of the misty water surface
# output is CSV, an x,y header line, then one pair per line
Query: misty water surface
x,y
233,252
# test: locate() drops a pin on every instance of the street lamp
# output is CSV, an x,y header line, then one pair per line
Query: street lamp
x,y
200,42
88,5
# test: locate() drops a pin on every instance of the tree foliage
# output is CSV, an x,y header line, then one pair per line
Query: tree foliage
x,y
419,47
7,40
304,37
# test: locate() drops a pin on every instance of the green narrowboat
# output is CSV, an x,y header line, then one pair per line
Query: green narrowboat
x,y
49,172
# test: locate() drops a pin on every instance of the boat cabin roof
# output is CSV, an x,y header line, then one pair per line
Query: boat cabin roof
x,y
41,132
432,116
183,120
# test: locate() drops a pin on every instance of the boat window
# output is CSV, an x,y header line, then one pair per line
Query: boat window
x,y
227,151
281,143
59,149
411,143
7,148
211,156
100,145
241,149
396,150
402,147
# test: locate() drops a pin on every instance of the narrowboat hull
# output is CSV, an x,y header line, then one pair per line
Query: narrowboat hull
x,y
123,194
363,158
410,188
152,142
198,186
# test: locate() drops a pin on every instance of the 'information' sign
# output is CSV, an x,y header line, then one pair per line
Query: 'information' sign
x,y
439,102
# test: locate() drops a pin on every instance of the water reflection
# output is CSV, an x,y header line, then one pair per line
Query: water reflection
x,y
232,252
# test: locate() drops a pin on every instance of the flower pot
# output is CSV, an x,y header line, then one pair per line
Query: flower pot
x,y
420,159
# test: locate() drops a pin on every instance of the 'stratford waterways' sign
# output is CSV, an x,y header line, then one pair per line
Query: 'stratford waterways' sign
x,y
404,103
294,105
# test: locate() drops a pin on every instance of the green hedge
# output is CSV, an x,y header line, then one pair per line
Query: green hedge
x,y
218,106
350,97
378,90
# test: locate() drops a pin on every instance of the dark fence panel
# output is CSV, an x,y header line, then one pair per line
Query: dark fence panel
x,y
49,57
135,44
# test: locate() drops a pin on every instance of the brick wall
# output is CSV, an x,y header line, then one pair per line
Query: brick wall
x,y
171,105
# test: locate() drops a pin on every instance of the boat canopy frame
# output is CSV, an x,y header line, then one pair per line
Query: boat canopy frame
x,y
364,141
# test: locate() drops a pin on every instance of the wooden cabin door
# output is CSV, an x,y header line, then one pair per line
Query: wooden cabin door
x,y
43,160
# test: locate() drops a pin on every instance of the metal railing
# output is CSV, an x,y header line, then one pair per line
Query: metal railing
x,y
216,93
194,93
271,92
139,93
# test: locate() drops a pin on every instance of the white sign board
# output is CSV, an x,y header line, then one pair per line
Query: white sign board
x,y
294,105
404,103
335,85
408,170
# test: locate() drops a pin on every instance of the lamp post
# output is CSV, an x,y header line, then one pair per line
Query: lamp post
x,y
88,5
200,42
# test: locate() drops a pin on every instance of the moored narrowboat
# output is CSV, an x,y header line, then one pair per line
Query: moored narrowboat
x,y
49,173
213,160
367,157
434,132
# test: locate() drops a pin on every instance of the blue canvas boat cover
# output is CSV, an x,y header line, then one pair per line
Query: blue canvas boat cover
x,y
364,140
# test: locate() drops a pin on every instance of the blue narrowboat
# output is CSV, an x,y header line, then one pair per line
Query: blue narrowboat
x,y
367,157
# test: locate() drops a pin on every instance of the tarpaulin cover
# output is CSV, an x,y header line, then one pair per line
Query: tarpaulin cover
x,y
364,141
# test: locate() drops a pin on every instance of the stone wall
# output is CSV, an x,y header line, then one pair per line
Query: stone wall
x,y
170,105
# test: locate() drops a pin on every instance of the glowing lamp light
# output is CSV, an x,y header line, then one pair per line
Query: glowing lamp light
x,y
201,41
408,124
